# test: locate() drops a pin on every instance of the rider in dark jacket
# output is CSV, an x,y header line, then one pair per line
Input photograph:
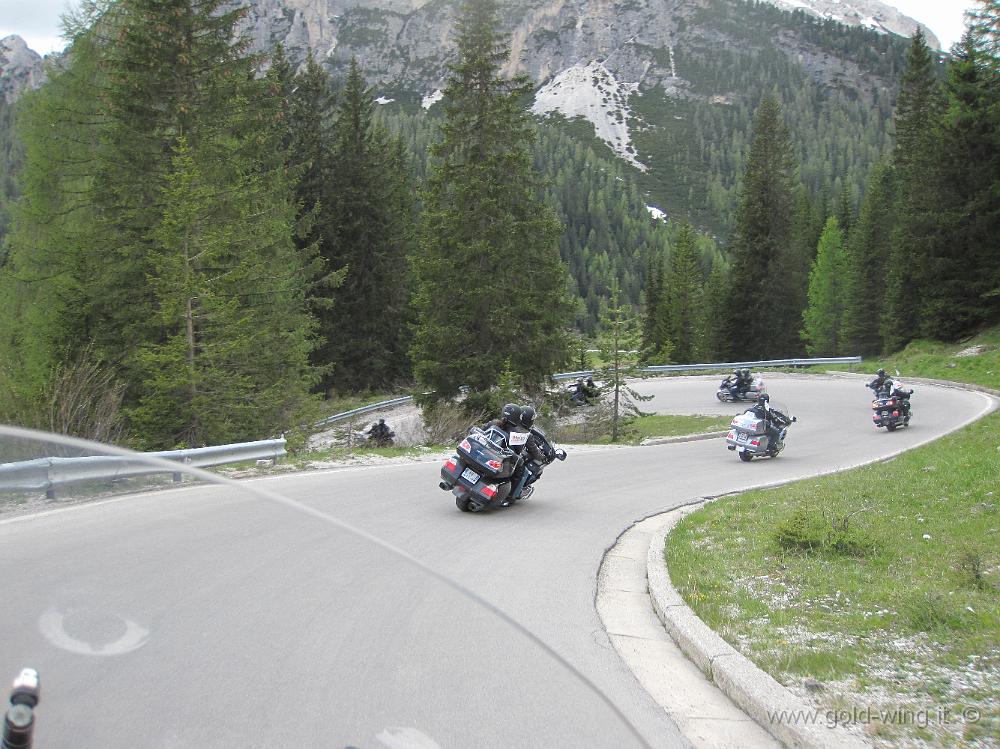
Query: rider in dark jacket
x,y
774,420
510,423
879,382
379,433
736,385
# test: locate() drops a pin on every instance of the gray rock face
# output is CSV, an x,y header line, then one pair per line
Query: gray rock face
x,y
408,42
20,68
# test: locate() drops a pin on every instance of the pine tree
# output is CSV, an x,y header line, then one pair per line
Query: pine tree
x,y
714,327
763,229
652,304
915,158
49,278
618,344
683,295
369,233
822,318
866,261
963,288
161,95
234,358
489,282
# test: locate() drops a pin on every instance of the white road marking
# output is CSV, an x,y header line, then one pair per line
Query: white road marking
x,y
52,626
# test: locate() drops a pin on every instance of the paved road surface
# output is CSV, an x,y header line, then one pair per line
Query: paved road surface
x,y
205,616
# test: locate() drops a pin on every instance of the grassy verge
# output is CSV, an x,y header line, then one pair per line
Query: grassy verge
x,y
656,425
878,588
943,361
331,454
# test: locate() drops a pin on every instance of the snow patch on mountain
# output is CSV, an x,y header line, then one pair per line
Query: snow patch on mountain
x,y
591,91
872,14
656,213
431,99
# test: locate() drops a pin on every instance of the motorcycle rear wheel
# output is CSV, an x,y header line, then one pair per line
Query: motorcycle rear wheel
x,y
745,457
891,427
465,504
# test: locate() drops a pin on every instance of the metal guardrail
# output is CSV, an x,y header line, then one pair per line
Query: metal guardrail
x,y
46,474
726,365
364,410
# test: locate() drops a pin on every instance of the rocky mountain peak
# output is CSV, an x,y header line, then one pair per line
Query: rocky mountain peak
x,y
871,14
20,68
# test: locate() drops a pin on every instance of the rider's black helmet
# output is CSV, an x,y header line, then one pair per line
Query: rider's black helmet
x,y
527,416
511,413
881,373
762,399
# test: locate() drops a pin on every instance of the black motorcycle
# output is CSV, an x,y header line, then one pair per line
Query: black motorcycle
x,y
480,472
891,406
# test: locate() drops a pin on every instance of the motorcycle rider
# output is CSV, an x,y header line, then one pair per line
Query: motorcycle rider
x,y
499,431
736,383
747,379
774,420
584,391
879,382
380,434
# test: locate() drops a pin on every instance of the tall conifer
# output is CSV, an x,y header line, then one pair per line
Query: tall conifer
x,y
916,161
683,295
761,237
822,318
369,233
489,282
866,261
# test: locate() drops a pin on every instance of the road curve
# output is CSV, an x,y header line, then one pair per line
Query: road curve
x,y
207,617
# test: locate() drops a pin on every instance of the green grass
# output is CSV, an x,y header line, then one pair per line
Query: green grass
x,y
660,425
303,460
882,582
938,361
655,425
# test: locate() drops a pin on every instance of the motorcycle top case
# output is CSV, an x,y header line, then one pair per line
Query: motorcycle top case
x,y
748,422
473,450
486,489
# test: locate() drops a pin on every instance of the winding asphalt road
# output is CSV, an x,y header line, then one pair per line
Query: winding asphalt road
x,y
206,616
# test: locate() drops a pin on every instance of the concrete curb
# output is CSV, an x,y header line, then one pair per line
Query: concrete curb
x,y
753,689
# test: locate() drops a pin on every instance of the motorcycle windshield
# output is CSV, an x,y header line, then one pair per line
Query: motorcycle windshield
x,y
164,606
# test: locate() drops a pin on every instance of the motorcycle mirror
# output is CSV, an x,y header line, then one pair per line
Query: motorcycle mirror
x,y
25,690
561,454
794,419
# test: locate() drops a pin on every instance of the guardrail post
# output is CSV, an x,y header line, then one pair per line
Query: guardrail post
x,y
50,492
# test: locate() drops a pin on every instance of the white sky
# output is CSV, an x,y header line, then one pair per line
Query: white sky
x,y
946,18
37,21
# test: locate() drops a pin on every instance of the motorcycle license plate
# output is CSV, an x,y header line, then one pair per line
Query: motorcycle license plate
x,y
469,475
742,437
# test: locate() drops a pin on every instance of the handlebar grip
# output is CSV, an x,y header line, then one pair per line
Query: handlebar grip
x,y
18,725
